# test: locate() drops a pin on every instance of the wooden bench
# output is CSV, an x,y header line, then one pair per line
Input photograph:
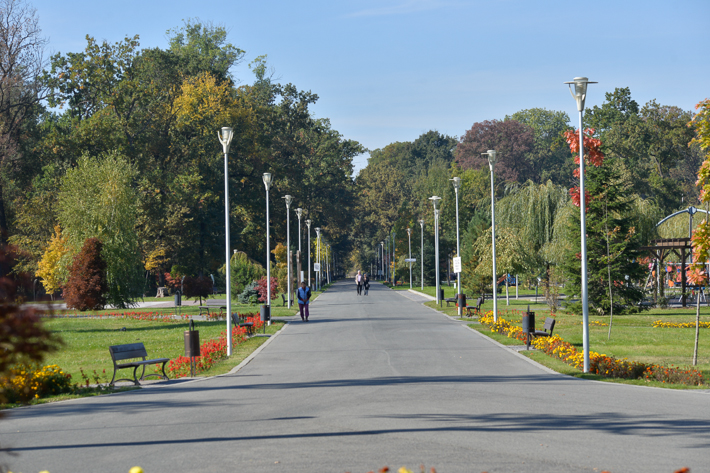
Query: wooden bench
x,y
546,329
206,308
475,310
133,351
241,322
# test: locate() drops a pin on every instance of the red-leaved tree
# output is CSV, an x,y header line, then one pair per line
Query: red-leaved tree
x,y
261,288
86,288
512,141
592,155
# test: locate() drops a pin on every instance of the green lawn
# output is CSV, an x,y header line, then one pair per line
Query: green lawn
x,y
87,341
632,336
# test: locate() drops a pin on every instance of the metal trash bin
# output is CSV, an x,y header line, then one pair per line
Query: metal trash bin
x,y
265,313
528,326
462,300
192,346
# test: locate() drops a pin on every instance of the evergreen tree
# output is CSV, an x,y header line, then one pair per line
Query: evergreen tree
x,y
613,246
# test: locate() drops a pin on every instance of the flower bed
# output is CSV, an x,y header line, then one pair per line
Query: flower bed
x,y
661,324
599,364
26,383
212,351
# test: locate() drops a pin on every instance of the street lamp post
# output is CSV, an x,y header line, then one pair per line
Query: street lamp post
x,y
457,186
382,260
435,200
580,94
421,264
394,260
225,139
267,178
491,164
299,213
288,199
327,262
388,248
318,258
308,224
409,234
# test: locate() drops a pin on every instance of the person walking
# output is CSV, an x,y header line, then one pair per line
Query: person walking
x,y
304,298
358,281
366,282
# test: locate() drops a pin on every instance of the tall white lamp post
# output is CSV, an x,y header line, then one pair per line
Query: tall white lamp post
x,y
409,234
327,262
580,94
299,213
394,260
435,200
267,177
491,164
421,264
288,199
457,186
226,138
318,258
382,260
308,224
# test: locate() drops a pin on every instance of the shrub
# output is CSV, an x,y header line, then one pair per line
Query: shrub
x,y
244,271
249,295
23,338
261,288
25,383
87,288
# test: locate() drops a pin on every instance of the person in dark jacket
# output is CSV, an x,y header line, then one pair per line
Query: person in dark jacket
x,y
304,298
366,282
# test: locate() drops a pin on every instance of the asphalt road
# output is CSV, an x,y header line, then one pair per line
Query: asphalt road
x,y
370,381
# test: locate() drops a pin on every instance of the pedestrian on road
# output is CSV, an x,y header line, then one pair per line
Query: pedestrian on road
x,y
304,297
366,282
358,281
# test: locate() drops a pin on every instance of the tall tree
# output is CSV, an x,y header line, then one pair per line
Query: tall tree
x,y
550,155
22,86
613,247
511,139
97,200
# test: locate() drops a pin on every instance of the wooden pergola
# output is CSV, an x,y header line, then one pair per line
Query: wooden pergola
x,y
661,249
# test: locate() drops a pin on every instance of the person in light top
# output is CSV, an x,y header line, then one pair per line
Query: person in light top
x,y
358,281
304,298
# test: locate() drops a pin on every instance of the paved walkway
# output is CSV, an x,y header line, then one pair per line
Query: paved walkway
x,y
371,381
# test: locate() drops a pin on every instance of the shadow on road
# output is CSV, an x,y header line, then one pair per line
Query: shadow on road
x,y
612,422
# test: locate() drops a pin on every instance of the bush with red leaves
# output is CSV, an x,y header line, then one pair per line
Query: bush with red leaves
x,y
23,338
87,287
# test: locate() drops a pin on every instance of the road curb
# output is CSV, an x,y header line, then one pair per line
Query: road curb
x,y
246,360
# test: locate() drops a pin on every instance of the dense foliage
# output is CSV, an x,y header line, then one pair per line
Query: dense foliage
x,y
86,288
123,149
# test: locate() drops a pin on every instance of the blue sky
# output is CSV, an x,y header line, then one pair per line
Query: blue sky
x,y
390,70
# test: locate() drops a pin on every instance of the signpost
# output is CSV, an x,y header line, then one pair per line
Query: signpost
x,y
457,264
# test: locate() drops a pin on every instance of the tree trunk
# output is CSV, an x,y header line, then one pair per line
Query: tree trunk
x,y
3,219
697,331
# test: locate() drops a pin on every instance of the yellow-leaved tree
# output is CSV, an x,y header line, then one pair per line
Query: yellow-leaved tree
x,y
54,263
